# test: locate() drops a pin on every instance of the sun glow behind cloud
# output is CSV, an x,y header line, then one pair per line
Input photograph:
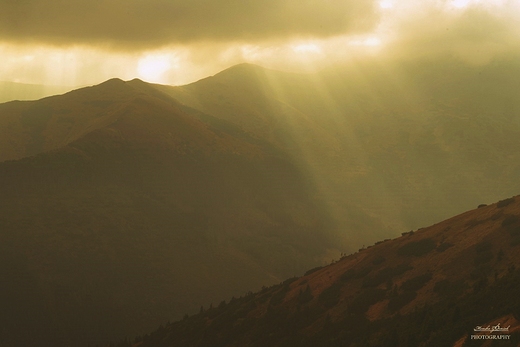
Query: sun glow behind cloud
x,y
461,4
386,4
153,67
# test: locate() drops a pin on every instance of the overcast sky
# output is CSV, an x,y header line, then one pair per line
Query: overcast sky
x,y
78,42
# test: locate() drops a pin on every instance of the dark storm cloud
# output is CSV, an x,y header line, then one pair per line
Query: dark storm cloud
x,y
153,22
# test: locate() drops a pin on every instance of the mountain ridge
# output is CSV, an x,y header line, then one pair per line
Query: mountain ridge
x,y
138,187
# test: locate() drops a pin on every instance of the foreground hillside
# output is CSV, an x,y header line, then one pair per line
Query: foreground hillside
x,y
121,199
431,287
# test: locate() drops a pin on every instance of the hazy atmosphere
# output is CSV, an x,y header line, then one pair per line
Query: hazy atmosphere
x,y
260,173
78,43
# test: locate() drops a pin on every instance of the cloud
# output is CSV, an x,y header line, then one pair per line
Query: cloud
x,y
151,23
187,40
471,30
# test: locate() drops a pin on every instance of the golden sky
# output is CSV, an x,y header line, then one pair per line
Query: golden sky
x,y
80,42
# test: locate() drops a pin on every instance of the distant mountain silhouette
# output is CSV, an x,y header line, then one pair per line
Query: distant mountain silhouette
x,y
431,287
22,91
125,199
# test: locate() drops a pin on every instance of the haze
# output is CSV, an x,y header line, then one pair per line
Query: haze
x,y
176,42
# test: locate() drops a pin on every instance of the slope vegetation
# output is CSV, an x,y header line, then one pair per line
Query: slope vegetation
x,y
431,287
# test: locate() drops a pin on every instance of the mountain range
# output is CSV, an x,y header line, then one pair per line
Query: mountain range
x,y
127,204
117,198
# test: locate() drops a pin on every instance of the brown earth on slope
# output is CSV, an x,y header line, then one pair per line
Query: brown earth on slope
x,y
425,288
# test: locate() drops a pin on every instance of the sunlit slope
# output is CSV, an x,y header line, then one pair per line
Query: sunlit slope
x,y
391,147
430,287
144,213
31,127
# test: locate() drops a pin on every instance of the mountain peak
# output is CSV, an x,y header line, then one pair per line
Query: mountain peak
x,y
113,81
136,80
111,85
